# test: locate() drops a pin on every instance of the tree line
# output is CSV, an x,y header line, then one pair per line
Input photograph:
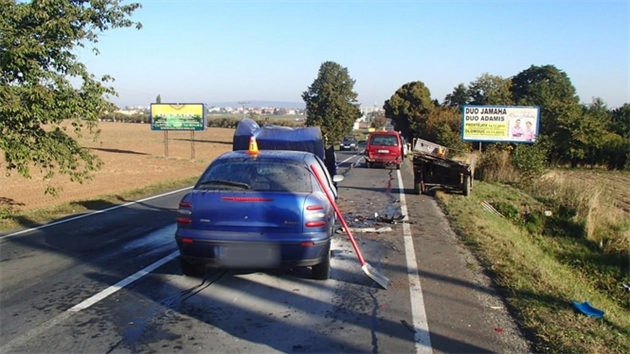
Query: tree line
x,y
570,132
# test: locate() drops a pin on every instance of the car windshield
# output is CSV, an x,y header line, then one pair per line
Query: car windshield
x,y
262,176
384,140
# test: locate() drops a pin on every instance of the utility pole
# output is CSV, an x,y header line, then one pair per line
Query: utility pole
x,y
243,104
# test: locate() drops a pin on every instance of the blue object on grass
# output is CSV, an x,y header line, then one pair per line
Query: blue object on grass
x,y
588,310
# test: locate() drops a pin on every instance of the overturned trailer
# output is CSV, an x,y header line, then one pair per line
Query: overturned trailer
x,y
432,167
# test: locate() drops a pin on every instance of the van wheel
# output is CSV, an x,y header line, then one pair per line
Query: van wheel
x,y
192,269
322,271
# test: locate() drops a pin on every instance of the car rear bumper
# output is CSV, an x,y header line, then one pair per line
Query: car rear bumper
x,y
247,253
383,159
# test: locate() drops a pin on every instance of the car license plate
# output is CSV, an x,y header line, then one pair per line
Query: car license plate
x,y
383,151
244,256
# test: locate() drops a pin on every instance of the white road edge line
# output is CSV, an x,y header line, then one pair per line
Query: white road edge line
x,y
421,336
90,214
28,336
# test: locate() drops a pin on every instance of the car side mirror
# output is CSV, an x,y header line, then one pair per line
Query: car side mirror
x,y
338,178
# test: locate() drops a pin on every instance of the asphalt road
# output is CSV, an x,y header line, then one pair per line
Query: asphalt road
x,y
83,286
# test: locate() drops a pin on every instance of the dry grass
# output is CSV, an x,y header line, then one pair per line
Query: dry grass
x,y
495,166
133,157
599,206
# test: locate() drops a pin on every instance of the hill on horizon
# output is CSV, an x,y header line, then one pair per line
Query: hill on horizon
x,y
258,104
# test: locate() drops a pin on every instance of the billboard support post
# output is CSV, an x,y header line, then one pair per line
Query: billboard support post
x,y
192,144
166,143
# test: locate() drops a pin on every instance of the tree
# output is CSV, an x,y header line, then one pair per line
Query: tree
x,y
158,99
552,90
490,90
331,102
43,85
409,108
379,120
620,120
458,98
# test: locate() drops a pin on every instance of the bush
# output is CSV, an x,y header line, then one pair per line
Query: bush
x,y
530,160
494,166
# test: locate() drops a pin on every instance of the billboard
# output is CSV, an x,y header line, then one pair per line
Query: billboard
x,y
170,116
500,124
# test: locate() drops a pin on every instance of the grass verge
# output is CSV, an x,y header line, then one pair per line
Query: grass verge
x,y
16,219
539,278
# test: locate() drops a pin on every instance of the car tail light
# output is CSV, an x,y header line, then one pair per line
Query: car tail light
x,y
184,221
307,244
314,216
241,199
315,223
185,205
187,240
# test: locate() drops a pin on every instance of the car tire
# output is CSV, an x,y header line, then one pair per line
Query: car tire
x,y
321,271
192,269
368,164
398,166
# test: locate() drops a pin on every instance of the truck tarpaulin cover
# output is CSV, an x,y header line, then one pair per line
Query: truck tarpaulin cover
x,y
272,137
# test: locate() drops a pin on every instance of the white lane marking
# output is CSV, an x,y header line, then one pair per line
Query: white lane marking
x,y
28,336
418,314
90,214
121,284
351,157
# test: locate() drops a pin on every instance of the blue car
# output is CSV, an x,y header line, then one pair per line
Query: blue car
x,y
258,211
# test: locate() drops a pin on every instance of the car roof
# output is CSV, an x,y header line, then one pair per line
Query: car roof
x,y
267,155
384,133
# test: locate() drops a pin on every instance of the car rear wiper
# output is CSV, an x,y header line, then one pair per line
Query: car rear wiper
x,y
224,182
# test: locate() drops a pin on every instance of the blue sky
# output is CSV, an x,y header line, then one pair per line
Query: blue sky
x,y
218,51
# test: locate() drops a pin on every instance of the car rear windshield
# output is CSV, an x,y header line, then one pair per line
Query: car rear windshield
x,y
384,140
262,176
349,139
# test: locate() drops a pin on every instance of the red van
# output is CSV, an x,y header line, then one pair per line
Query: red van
x,y
384,148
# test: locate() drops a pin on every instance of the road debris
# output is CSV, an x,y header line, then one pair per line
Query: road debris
x,y
409,327
341,230
587,309
491,209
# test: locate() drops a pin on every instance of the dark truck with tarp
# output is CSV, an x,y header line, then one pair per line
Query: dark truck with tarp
x,y
273,137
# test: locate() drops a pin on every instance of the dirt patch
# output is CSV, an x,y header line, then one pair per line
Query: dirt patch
x,y
133,157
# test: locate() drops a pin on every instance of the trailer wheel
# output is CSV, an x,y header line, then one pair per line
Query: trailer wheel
x,y
466,186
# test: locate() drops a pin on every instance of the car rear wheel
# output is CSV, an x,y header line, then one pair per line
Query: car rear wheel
x,y
322,271
192,269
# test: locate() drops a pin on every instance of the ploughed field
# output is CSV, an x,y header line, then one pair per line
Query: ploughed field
x,y
133,157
